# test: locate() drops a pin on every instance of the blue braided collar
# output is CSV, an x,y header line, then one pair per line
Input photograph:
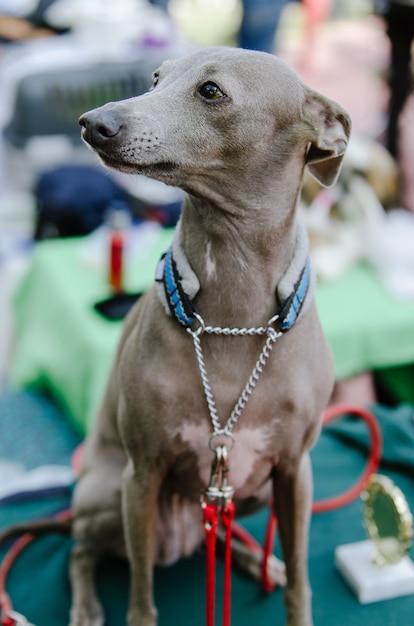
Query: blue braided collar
x,y
178,285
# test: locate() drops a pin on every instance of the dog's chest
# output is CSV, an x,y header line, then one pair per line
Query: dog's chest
x,y
249,460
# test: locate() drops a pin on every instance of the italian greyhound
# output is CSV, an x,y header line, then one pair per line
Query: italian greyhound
x,y
233,302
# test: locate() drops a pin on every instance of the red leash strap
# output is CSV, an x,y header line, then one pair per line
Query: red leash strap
x,y
210,521
218,497
268,547
7,613
227,516
9,617
339,410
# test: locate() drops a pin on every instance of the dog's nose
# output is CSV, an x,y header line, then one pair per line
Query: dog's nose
x,y
99,125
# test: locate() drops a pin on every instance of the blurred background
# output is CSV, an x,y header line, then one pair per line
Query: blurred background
x,y
59,58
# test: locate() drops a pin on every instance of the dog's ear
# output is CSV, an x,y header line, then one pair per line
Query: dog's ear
x,y
331,127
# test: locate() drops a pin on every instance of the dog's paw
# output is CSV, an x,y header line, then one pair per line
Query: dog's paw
x,y
276,571
137,618
87,617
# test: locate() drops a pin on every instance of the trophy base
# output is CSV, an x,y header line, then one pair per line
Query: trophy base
x,y
370,582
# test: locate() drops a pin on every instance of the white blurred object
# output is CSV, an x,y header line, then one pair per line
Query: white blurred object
x,y
14,479
369,582
389,247
40,55
339,218
338,237
18,8
106,25
102,31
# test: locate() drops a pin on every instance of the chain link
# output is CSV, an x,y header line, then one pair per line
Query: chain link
x,y
216,330
272,336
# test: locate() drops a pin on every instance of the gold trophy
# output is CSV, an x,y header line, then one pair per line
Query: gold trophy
x,y
380,568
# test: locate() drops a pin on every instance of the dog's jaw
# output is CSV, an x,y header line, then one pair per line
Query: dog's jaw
x,y
128,159
159,171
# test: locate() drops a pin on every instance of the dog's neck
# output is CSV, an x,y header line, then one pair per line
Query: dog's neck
x,y
237,273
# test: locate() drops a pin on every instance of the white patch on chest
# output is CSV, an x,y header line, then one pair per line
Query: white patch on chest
x,y
210,263
249,448
250,445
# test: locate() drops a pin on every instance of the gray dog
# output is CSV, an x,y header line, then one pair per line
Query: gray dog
x,y
234,129
233,303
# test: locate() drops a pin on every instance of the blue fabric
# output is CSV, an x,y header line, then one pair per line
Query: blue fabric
x,y
259,24
72,200
34,431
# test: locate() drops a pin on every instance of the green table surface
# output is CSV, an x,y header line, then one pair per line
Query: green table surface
x,y
63,346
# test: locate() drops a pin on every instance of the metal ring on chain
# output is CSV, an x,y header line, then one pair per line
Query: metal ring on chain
x,y
219,437
198,331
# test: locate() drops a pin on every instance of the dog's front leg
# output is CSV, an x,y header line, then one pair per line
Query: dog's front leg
x,y
292,501
140,500
86,609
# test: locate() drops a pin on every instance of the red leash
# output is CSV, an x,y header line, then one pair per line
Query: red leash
x,y
217,499
339,410
8,617
210,520
227,516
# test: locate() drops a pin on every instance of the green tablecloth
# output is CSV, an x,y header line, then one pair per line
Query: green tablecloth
x,y
366,327
64,346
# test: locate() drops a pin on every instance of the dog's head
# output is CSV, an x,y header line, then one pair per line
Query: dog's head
x,y
219,111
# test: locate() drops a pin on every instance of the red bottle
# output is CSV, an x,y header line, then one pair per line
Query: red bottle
x,y
116,259
118,221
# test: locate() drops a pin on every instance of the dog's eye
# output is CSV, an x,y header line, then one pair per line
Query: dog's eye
x,y
155,79
211,91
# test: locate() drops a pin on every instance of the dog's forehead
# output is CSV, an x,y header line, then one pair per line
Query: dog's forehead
x,y
236,66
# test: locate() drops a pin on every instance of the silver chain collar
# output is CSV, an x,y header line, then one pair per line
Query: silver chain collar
x,y
272,336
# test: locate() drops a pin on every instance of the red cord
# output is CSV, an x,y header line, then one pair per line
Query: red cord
x,y
210,521
245,537
373,462
268,547
5,566
227,515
